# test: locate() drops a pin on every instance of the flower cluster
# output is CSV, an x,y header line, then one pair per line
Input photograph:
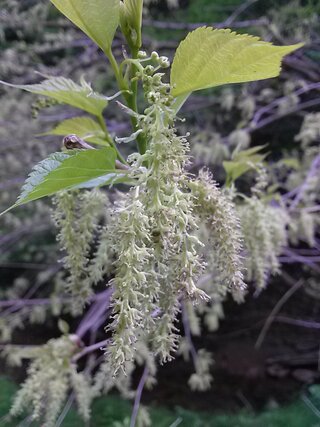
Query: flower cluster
x,y
77,217
50,376
155,231
223,231
264,229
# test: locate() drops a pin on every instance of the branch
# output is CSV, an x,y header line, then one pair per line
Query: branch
x,y
263,110
137,400
244,6
90,349
313,172
163,25
274,312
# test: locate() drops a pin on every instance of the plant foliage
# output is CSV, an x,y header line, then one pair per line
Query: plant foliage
x,y
174,241
209,57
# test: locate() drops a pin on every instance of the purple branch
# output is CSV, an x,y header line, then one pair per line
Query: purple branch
x,y
137,400
90,349
95,316
302,259
297,322
187,26
278,116
313,172
263,110
24,302
275,311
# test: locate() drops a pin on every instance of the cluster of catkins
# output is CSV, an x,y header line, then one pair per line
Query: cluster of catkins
x,y
50,375
159,257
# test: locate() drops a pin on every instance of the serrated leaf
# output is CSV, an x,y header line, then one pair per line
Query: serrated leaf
x,y
84,127
65,170
68,92
98,19
208,58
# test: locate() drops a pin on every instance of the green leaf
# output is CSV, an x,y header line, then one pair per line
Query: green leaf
x,y
290,162
84,127
131,21
68,92
247,154
235,169
242,162
209,57
98,19
65,170
63,327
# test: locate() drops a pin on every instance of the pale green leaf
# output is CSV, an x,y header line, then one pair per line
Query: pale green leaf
x,y
290,162
84,127
68,92
65,170
98,19
235,169
63,327
242,162
247,154
208,58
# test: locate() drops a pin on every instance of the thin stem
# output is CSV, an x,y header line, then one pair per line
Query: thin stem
x,y
275,311
130,98
109,139
114,64
238,12
310,405
90,349
298,322
187,333
137,400
65,410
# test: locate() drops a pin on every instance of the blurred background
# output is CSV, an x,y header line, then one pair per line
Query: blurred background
x,y
266,351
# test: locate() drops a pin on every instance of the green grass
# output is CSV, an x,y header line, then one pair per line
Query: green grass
x,y
107,410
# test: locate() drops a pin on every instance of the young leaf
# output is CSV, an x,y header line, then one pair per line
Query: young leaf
x,y
99,19
68,92
66,170
242,162
209,57
131,20
84,127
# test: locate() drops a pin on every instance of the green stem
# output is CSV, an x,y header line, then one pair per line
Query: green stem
x,y
109,139
129,96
